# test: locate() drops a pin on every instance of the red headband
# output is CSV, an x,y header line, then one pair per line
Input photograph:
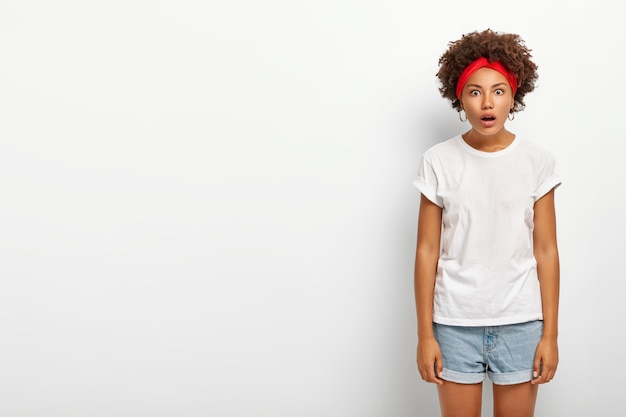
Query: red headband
x,y
482,62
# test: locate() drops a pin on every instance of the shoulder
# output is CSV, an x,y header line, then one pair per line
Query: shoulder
x,y
442,149
538,154
533,148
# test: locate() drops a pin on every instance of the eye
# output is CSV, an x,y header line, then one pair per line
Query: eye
x,y
499,92
474,93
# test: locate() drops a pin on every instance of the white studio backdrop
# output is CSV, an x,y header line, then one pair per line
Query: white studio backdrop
x,y
206,208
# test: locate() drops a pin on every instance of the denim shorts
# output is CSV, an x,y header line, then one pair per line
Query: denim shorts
x,y
505,353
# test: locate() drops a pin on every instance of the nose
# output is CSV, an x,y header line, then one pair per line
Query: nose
x,y
487,103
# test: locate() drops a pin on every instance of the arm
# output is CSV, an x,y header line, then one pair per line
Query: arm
x,y
426,257
547,256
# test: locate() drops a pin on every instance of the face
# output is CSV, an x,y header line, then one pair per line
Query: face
x,y
487,98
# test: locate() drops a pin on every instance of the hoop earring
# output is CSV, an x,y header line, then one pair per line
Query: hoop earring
x,y
509,116
460,118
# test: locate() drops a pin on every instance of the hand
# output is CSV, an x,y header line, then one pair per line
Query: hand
x,y
546,361
429,361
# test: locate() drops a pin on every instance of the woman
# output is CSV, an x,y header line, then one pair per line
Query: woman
x,y
487,264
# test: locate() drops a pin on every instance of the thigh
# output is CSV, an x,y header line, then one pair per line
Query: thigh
x,y
460,400
516,400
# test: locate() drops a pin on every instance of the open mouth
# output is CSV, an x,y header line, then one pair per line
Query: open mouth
x,y
488,120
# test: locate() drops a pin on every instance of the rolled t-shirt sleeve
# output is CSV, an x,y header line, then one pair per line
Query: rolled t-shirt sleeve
x,y
426,182
547,179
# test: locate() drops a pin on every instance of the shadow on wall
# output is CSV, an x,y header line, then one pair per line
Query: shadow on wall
x,y
431,125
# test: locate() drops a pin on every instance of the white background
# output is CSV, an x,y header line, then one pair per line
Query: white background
x,y
206,208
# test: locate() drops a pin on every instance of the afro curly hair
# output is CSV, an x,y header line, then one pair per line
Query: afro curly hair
x,y
507,48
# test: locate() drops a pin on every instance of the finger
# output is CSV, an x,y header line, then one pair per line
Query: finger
x,y
537,372
432,374
423,371
429,373
536,367
543,379
439,368
423,376
547,373
433,378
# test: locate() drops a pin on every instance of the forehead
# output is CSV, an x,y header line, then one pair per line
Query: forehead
x,y
486,77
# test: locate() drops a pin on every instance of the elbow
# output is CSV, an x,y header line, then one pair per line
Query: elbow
x,y
546,252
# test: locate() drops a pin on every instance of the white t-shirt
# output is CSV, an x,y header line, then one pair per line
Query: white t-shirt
x,y
486,274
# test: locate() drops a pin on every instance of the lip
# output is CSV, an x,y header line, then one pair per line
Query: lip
x,y
491,120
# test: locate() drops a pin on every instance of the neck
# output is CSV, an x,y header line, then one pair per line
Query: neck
x,y
488,143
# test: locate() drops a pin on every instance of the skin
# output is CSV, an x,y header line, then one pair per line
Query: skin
x,y
487,92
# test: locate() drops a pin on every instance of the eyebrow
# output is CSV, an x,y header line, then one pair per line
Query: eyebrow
x,y
480,86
